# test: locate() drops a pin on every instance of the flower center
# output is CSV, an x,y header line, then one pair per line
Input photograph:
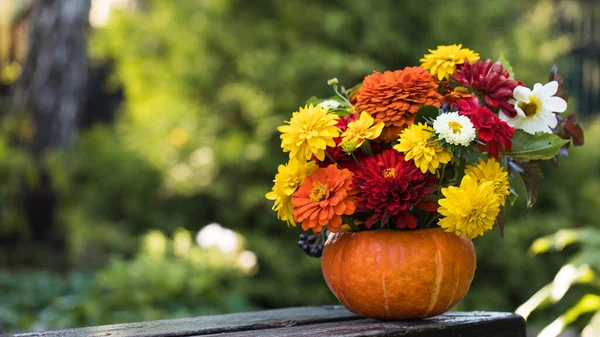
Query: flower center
x,y
318,192
389,172
474,214
532,107
455,126
308,132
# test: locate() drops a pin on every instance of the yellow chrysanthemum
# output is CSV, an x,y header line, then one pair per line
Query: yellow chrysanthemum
x,y
493,172
442,61
362,129
287,180
470,209
310,131
427,155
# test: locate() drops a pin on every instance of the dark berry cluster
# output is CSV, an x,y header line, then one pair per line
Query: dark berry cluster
x,y
312,245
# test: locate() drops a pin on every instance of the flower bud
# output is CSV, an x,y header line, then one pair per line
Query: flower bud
x,y
349,147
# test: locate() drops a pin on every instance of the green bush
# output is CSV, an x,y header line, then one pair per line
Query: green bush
x,y
167,278
108,196
17,174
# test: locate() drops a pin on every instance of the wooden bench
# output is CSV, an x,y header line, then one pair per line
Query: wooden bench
x,y
309,321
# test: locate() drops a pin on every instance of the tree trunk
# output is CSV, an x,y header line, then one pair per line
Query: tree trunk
x,y
53,83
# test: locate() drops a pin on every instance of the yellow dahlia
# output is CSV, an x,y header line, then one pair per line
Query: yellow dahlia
x,y
287,180
415,144
469,210
491,171
361,129
442,61
310,131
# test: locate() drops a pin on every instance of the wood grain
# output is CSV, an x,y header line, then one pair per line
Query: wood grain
x,y
447,325
335,321
210,324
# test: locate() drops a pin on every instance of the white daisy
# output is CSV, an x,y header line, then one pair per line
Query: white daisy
x,y
454,129
330,103
536,108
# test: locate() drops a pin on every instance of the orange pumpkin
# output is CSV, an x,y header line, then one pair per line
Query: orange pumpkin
x,y
388,274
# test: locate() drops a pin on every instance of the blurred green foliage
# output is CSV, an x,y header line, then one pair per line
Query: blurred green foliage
x,y
168,277
206,84
109,196
17,171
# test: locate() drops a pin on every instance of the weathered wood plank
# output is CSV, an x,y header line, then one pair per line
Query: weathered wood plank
x,y
309,321
474,324
209,324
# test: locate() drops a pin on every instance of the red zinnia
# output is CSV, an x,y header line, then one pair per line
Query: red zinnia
x,y
490,78
492,130
391,186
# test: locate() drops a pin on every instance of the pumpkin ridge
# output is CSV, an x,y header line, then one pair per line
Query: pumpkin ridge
x,y
455,288
343,259
385,296
439,272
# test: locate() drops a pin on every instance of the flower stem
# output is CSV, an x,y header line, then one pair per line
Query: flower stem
x,y
335,89
356,161
442,174
332,160
435,217
351,223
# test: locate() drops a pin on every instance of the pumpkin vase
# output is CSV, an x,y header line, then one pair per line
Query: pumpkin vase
x,y
388,275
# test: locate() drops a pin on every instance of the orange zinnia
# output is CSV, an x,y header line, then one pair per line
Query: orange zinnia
x,y
394,97
323,198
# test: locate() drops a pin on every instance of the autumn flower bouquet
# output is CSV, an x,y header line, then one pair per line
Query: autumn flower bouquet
x,y
441,146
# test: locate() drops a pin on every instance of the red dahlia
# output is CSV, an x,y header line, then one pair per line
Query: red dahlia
x,y
390,186
490,78
492,130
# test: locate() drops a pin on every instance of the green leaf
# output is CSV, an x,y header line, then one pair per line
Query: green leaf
x,y
354,88
502,59
513,196
540,146
516,184
588,303
425,113
526,174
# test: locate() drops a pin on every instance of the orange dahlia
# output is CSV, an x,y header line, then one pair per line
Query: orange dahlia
x,y
394,97
323,198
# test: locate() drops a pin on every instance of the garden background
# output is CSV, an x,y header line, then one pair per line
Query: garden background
x,y
177,104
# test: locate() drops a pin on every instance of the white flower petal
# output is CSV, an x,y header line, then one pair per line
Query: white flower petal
x,y
330,103
537,87
549,89
532,127
519,111
555,104
514,122
549,119
464,137
521,93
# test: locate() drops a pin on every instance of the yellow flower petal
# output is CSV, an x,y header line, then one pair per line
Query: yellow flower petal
x,y
469,210
442,61
427,155
310,130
